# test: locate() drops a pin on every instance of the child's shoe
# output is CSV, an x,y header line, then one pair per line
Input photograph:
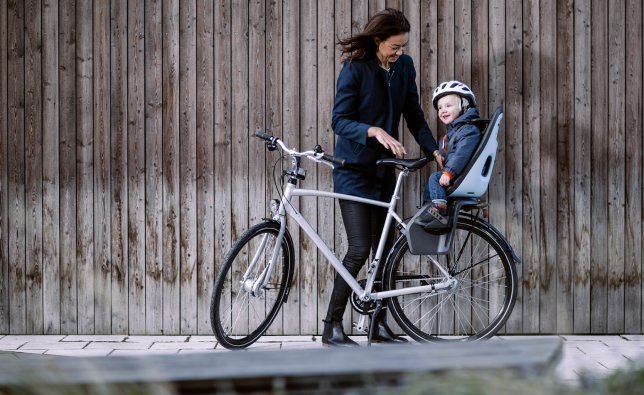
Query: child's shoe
x,y
435,217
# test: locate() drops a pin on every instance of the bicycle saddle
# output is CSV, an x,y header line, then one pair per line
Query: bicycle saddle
x,y
411,164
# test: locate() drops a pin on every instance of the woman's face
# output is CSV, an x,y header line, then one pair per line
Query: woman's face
x,y
389,50
449,108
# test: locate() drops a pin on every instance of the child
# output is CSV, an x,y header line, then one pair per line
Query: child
x,y
456,106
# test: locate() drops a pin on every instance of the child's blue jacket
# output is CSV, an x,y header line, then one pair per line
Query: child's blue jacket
x,y
367,95
459,143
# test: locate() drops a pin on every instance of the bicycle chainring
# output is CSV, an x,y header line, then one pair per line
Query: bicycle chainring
x,y
359,304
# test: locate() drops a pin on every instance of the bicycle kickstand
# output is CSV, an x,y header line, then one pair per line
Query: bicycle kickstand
x,y
372,324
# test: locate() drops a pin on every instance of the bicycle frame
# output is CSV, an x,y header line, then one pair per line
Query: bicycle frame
x,y
365,294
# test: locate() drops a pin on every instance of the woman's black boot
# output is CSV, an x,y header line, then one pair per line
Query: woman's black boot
x,y
382,332
334,335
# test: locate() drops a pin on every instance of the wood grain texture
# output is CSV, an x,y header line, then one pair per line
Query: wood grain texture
x,y
4,222
67,148
128,166
136,171
118,164
188,166
33,166
599,169
51,257
633,161
565,166
582,169
205,163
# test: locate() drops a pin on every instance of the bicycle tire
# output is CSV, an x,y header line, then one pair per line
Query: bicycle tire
x,y
476,308
238,316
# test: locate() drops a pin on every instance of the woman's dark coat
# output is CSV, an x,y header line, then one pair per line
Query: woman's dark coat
x,y
367,95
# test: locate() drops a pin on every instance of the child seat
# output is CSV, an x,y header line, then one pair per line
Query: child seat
x,y
465,191
475,177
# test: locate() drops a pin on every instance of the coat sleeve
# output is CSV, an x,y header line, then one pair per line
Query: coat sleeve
x,y
346,106
415,116
466,142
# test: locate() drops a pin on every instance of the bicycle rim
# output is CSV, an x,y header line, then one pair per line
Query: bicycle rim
x,y
475,308
239,315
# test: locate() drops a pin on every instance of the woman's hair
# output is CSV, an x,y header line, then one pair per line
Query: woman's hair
x,y
388,22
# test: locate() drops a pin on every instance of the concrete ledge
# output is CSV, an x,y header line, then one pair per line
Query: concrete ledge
x,y
248,371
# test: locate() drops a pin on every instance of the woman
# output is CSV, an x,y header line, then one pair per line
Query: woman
x,y
375,87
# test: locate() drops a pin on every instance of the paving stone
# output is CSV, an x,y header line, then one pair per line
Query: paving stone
x,y
184,351
39,338
34,345
184,346
590,337
201,338
141,353
94,338
157,339
79,353
118,346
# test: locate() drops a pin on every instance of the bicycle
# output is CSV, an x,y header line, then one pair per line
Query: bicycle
x,y
463,288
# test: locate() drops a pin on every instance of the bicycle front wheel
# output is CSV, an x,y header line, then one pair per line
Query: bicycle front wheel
x,y
240,312
475,306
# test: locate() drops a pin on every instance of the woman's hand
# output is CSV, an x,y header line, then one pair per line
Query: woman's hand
x,y
440,159
387,141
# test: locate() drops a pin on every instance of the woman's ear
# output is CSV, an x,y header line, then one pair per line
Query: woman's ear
x,y
377,41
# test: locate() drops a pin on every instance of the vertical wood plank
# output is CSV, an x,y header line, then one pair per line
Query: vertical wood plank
x,y
488,82
171,194
136,171
565,165
616,165
241,189
547,220
51,179
16,169
531,166
445,41
153,168
118,166
513,133
223,132
205,144
489,79
582,168
480,59
463,48
359,15
68,107
291,126
257,64
188,163
274,38
325,207
308,92
428,73
343,28
4,236
102,187
33,165
633,128
599,171
375,6
85,167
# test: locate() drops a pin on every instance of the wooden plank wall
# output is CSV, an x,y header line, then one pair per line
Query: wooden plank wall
x,y
128,167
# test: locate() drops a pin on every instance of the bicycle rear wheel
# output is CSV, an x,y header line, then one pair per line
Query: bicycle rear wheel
x,y
474,308
239,315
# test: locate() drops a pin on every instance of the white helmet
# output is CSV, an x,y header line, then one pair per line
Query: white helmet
x,y
453,87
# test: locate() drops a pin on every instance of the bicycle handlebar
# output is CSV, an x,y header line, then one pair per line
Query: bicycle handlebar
x,y
315,155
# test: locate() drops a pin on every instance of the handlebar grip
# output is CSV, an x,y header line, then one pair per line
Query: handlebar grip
x,y
338,161
263,135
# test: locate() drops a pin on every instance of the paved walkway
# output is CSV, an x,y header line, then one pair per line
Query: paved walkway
x,y
597,356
